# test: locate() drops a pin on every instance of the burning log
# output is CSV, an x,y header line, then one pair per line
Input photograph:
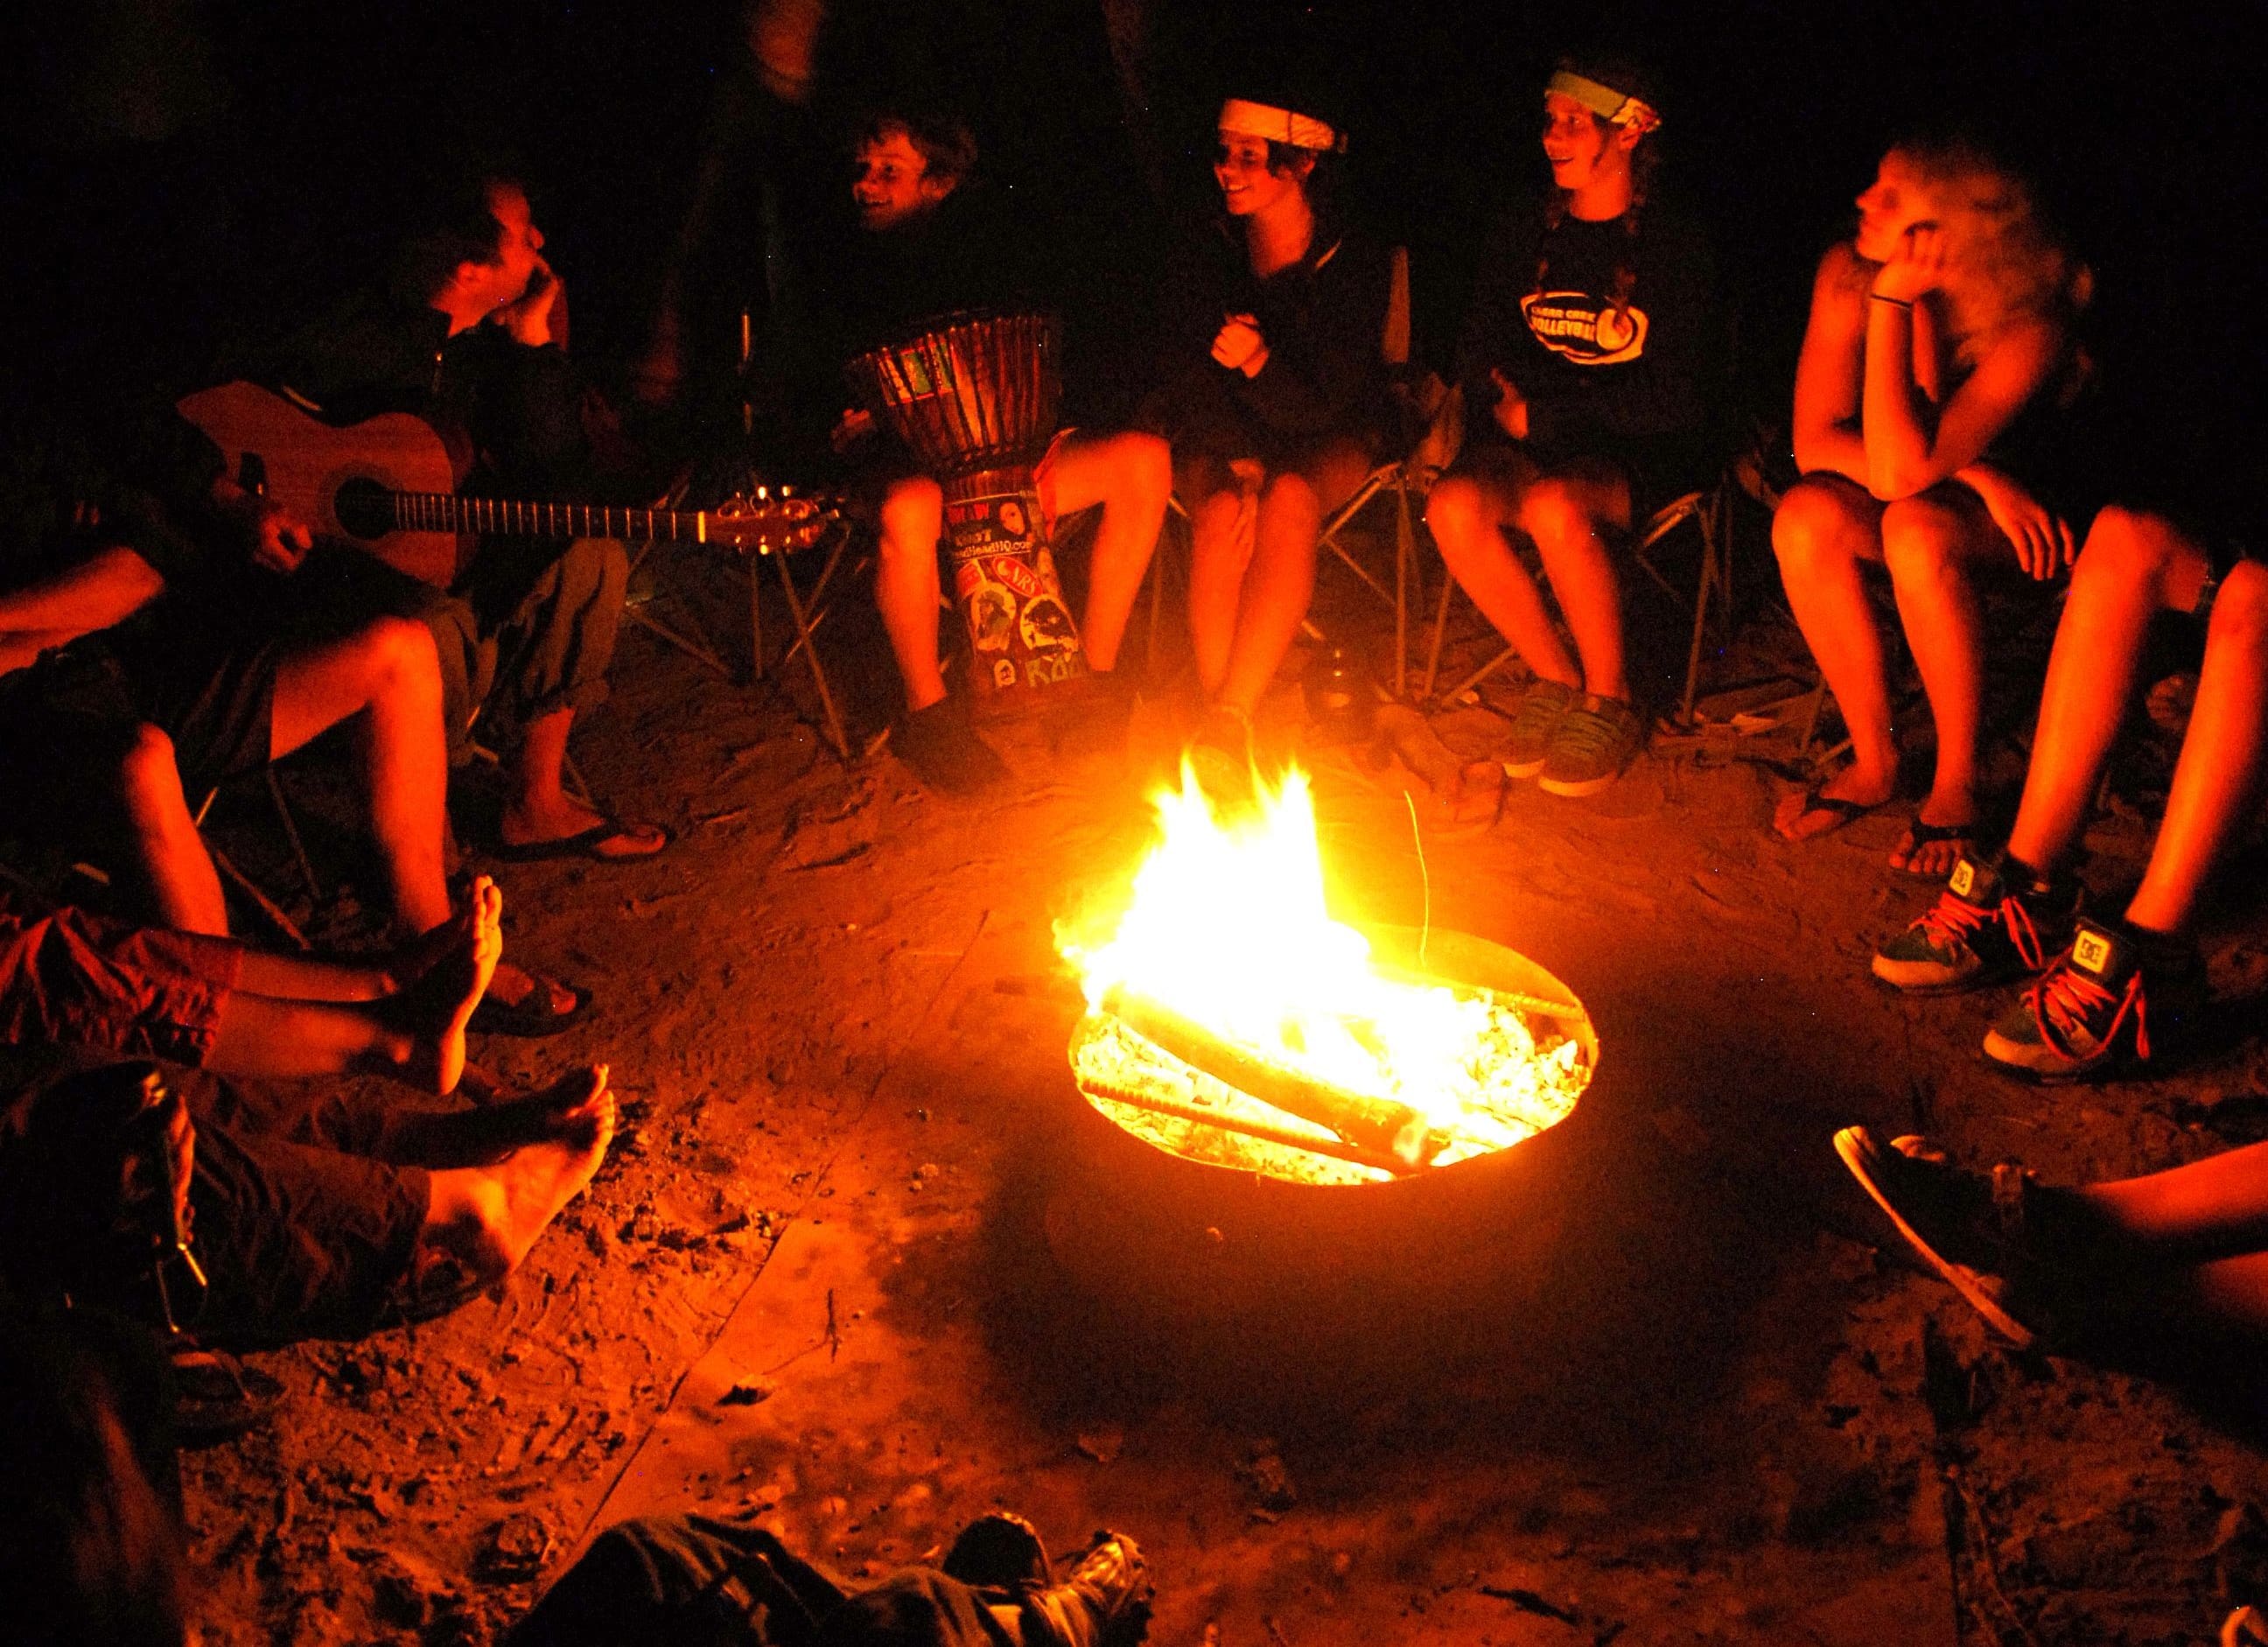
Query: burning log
x,y
1375,1125
1113,1092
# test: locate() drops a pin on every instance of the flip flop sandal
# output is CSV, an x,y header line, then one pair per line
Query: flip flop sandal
x,y
1845,812
532,1017
583,844
1919,835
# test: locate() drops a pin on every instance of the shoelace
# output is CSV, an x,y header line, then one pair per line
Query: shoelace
x,y
1948,923
2064,998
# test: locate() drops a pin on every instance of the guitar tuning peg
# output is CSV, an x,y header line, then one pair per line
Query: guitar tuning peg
x,y
763,492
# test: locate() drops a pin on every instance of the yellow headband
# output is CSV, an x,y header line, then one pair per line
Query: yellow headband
x,y
1617,108
1278,125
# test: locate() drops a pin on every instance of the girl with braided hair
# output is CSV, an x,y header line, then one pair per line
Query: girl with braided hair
x,y
1586,347
1930,398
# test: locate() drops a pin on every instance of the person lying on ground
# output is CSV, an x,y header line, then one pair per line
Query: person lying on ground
x,y
1584,362
72,978
690,1578
1935,424
469,329
2179,1256
2110,996
926,250
1274,395
335,1216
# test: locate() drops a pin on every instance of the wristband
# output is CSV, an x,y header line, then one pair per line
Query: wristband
x,y
1895,303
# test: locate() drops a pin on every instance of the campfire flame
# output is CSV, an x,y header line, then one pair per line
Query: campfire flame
x,y
1227,926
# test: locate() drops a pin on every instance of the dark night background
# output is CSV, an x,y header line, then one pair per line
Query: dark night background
x,y
267,182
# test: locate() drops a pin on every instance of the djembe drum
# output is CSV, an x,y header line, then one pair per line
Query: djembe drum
x,y
973,396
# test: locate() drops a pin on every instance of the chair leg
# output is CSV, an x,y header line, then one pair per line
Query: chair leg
x,y
1405,552
835,735
756,624
291,834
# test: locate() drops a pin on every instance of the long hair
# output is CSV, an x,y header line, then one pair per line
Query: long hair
x,y
2006,262
1644,158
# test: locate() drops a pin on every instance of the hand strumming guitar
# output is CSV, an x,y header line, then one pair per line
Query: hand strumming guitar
x,y
271,535
851,430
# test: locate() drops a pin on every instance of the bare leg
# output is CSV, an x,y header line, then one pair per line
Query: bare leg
x,y
485,1219
387,673
417,1038
1824,528
184,886
1278,587
1931,544
1219,557
1132,477
2208,1209
2133,566
906,585
2224,761
1467,516
483,1137
1564,517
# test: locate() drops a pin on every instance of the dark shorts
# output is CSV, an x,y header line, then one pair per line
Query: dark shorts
x,y
66,720
1654,477
300,1236
80,979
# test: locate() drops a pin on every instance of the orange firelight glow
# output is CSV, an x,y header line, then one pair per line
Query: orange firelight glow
x,y
1227,926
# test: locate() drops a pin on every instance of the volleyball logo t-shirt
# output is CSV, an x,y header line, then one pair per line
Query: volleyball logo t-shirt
x,y
1584,328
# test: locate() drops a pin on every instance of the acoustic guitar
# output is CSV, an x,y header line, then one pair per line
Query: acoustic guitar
x,y
388,486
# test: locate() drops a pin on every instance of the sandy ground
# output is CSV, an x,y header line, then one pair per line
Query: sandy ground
x,y
841,1276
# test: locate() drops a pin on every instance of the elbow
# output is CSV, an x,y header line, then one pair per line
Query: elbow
x,y
131,580
1891,483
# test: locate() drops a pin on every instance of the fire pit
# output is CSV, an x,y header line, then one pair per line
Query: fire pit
x,y
1294,1129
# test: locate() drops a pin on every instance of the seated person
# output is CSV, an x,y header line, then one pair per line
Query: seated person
x,y
2110,995
73,978
124,709
469,332
1275,399
924,251
2178,1254
1937,366
691,1578
1585,344
342,1218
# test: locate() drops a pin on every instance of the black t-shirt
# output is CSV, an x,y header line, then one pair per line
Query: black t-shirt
x,y
1628,381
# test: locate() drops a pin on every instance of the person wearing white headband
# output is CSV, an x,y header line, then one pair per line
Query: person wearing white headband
x,y
1274,402
1584,362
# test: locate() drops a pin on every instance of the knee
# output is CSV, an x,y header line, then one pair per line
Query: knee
x,y
1553,512
912,515
2126,546
2240,611
1290,497
1811,520
1146,468
1920,537
144,768
1454,516
402,651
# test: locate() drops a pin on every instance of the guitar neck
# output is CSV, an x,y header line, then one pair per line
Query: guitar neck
x,y
504,517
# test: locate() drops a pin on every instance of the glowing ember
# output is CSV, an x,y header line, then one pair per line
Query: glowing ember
x,y
1227,931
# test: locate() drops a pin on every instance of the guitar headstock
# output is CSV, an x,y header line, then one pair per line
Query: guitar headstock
x,y
769,522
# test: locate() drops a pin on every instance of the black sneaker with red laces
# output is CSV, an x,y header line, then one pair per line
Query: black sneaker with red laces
x,y
2113,1003
1987,927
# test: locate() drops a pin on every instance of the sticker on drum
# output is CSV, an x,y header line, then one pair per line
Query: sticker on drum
x,y
1004,673
992,618
1046,626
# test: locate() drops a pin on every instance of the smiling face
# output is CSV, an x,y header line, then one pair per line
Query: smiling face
x,y
1582,148
1893,203
1249,186
894,182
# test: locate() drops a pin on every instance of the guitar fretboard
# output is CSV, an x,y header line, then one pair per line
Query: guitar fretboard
x,y
444,512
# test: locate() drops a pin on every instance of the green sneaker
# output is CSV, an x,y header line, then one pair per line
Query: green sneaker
x,y
1983,929
1593,743
2088,1016
1537,718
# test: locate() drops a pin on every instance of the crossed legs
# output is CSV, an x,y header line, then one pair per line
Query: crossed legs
x,y
1248,591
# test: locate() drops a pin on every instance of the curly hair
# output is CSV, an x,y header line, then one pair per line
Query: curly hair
x,y
2006,262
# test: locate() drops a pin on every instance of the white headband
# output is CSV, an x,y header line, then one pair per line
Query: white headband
x,y
1278,125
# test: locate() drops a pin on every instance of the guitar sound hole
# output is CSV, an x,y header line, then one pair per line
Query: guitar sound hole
x,y
365,509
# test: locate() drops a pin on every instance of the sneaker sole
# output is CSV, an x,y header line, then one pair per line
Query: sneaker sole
x,y
1957,1276
1522,769
2116,1068
1981,978
1576,788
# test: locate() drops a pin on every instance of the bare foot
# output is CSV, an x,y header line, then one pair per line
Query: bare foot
x,y
1934,844
1800,815
515,1199
437,1007
483,1137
